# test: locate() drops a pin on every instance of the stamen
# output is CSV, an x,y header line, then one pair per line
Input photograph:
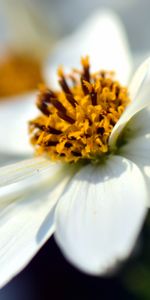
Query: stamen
x,y
62,81
76,122
84,87
42,103
77,154
71,100
44,99
53,130
51,143
86,74
93,98
68,145
66,118
86,68
48,129
58,105
64,86
100,130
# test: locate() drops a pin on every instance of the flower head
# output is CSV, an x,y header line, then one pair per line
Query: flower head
x,y
76,122
95,210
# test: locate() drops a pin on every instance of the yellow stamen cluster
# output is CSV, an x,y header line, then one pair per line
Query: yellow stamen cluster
x,y
76,122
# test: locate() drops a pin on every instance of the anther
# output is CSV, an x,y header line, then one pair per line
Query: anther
x,y
86,67
43,105
71,100
65,117
100,130
77,154
84,88
58,105
43,101
94,98
68,145
52,130
50,143
64,86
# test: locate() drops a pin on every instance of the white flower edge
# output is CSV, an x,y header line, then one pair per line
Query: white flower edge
x,y
139,93
70,215
134,123
27,207
103,38
136,146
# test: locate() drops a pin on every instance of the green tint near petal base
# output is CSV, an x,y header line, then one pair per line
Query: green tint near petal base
x,y
140,98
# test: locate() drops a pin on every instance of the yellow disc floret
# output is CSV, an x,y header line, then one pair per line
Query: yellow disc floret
x,y
76,122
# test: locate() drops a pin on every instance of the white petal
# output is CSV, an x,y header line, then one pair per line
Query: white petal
x,y
137,143
26,224
14,116
22,179
100,215
103,38
139,91
27,169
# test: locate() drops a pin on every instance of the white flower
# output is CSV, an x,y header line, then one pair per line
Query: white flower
x,y
95,211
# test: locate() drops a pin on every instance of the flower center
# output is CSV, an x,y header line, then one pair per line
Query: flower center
x,y
77,121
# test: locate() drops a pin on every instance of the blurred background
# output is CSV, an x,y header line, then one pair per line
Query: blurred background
x,y
53,19
34,25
